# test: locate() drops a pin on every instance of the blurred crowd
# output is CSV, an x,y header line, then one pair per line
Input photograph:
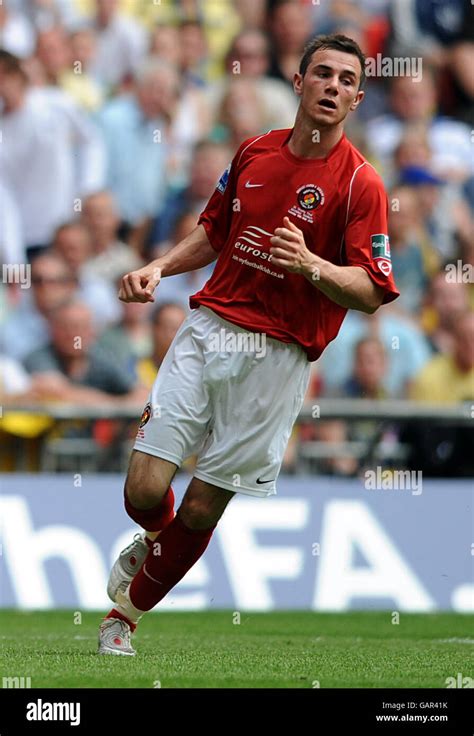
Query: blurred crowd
x,y
118,117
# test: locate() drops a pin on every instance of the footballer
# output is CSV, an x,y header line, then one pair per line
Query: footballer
x,y
297,226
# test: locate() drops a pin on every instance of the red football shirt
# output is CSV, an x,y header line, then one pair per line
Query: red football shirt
x,y
339,203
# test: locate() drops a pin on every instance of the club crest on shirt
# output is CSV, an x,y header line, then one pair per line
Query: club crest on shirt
x,y
309,197
381,252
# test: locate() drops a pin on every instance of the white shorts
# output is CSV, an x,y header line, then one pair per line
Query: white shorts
x,y
228,396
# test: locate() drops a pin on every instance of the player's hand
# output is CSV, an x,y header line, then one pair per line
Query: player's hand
x,y
289,249
138,286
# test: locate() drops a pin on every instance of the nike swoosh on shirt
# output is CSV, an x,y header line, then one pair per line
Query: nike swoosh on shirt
x,y
248,185
270,480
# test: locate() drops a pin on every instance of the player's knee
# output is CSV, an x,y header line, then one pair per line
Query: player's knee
x,y
141,495
147,481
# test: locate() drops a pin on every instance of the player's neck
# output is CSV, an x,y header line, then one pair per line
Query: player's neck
x,y
309,141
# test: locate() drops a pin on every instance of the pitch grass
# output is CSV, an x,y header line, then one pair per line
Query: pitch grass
x,y
274,650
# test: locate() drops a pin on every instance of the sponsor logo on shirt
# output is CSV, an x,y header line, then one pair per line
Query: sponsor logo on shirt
x,y
252,242
381,252
222,183
309,197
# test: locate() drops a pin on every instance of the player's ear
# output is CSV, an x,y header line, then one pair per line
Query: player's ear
x,y
357,100
298,83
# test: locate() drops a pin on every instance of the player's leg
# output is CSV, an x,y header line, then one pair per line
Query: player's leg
x,y
149,501
173,426
180,546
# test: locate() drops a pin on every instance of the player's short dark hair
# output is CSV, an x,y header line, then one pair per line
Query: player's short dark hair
x,y
11,64
336,41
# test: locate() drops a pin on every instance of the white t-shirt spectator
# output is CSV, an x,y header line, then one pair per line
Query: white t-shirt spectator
x,y
449,140
12,248
13,377
17,35
121,47
51,155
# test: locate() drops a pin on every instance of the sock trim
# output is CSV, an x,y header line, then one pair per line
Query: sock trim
x,y
117,614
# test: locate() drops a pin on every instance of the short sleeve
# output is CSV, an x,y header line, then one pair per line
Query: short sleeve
x,y
366,241
217,215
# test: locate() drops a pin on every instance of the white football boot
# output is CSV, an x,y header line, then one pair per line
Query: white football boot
x,y
114,638
127,565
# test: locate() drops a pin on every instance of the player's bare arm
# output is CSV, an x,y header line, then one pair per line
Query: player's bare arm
x,y
348,286
191,253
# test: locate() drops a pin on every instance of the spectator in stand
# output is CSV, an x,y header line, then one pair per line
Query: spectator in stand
x,y
121,44
444,212
110,257
369,370
209,161
166,321
241,115
46,135
165,45
180,287
47,13
131,339
194,53
414,148
461,64
449,377
446,300
55,52
408,244
404,342
17,34
77,369
149,135
26,328
426,28
249,57
72,241
12,248
415,102
136,133
290,29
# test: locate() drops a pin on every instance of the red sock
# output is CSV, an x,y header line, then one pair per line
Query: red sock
x,y
116,614
156,518
180,548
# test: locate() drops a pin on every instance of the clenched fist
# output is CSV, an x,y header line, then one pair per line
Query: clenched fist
x,y
138,286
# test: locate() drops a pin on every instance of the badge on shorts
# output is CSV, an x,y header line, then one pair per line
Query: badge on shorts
x,y
381,252
145,416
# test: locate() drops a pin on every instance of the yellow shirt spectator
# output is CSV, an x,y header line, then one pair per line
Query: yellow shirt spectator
x,y
449,379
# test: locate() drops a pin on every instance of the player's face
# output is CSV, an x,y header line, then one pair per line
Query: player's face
x,y
329,90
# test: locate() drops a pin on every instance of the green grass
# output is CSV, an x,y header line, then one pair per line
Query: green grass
x,y
278,650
